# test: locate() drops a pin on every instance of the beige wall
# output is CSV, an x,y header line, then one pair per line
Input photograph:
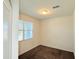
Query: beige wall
x,y
58,32
29,44
55,32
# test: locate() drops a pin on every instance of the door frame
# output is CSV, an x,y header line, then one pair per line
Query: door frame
x,y
13,6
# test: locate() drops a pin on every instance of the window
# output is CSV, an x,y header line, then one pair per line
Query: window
x,y
24,30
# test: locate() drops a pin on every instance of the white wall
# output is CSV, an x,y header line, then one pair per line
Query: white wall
x,y
6,17
58,33
29,44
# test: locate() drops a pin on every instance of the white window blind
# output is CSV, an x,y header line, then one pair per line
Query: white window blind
x,y
24,30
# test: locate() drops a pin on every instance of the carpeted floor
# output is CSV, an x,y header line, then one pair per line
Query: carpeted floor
x,y
44,52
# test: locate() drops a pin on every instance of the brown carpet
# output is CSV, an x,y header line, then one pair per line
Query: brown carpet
x,y
44,52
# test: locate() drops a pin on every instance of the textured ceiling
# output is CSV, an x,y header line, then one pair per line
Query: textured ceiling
x,y
31,8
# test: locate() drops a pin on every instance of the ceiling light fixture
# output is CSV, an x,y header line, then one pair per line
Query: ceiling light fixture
x,y
44,11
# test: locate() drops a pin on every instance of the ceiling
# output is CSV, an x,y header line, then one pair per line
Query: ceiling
x,y
32,7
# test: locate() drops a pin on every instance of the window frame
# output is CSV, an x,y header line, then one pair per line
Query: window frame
x,y
23,30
